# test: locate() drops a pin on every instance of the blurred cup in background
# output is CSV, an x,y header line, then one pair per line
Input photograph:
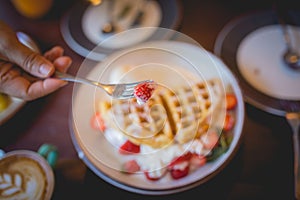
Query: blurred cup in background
x,y
32,8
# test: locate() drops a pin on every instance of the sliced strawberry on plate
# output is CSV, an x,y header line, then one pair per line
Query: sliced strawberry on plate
x,y
197,160
180,159
144,91
130,167
129,148
155,175
180,166
229,122
210,139
97,122
181,172
231,101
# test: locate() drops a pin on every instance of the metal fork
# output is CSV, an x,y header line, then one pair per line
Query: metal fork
x,y
117,91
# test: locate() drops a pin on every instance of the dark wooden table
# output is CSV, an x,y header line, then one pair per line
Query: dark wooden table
x,y
262,168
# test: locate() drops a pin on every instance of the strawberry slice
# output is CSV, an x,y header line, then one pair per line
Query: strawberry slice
x,y
97,122
231,101
144,91
180,166
155,175
129,148
229,122
180,172
179,160
197,160
130,167
210,139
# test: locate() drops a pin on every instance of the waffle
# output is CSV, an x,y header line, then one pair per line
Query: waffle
x,y
169,116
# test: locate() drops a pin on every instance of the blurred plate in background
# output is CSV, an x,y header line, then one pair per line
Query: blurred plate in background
x,y
81,26
252,42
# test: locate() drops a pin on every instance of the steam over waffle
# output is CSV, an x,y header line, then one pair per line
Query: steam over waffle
x,y
170,116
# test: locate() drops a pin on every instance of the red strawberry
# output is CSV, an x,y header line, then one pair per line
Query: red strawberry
x,y
210,139
130,167
144,91
179,173
231,101
229,122
129,148
97,122
180,159
197,160
155,175
180,166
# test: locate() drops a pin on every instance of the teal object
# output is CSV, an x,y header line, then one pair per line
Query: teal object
x,y
2,153
52,158
50,153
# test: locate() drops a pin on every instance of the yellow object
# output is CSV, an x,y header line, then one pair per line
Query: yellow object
x,y
95,2
32,8
4,101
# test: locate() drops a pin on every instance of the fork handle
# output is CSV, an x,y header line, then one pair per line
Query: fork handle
x,y
68,77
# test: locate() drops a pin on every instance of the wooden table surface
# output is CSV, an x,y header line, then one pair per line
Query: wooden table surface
x,y
262,168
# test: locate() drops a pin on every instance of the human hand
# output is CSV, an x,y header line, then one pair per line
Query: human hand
x,y
17,61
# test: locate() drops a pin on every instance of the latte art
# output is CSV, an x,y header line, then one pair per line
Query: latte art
x,y
25,175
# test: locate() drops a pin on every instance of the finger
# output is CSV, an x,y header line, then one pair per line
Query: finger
x,y
42,88
14,51
7,73
12,83
54,53
33,63
63,63
30,61
22,88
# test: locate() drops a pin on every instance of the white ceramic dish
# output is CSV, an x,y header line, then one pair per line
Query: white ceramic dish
x,y
254,41
167,62
259,59
81,27
95,17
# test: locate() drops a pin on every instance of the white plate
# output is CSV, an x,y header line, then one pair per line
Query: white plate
x,y
81,26
252,43
166,62
95,17
259,59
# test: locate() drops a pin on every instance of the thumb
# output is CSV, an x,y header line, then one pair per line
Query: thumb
x,y
31,61
12,50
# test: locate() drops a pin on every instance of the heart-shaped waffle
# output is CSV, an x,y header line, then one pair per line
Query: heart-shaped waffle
x,y
169,116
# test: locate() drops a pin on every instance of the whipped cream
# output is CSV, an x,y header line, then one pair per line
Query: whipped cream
x,y
156,160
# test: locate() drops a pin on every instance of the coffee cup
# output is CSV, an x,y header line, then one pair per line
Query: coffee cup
x,y
25,174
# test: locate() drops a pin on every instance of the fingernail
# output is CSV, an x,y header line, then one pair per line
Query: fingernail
x,y
45,69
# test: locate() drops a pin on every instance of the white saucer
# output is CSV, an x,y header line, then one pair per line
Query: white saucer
x,y
259,59
251,45
95,17
81,26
